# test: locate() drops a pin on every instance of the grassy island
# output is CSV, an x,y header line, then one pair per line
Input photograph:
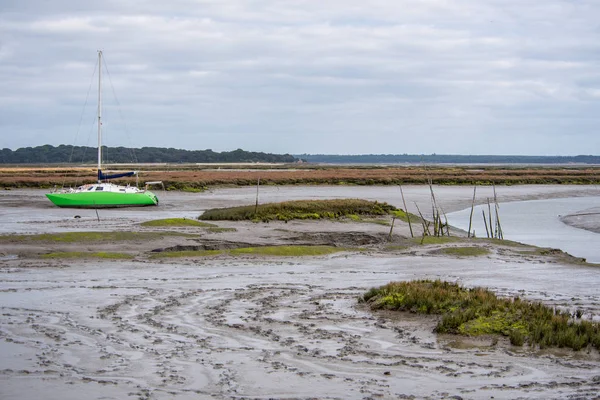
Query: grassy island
x,y
301,209
478,311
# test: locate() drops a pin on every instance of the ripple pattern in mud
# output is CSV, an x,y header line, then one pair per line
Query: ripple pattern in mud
x,y
254,330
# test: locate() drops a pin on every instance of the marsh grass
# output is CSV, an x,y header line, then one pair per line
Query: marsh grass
x,y
437,239
177,222
479,311
280,251
188,253
218,229
301,209
504,242
368,220
85,237
396,248
191,177
82,254
192,189
288,251
404,216
465,251
376,221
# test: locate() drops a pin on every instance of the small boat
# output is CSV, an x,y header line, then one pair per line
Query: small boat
x,y
104,194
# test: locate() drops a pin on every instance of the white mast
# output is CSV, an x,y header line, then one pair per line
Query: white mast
x,y
99,113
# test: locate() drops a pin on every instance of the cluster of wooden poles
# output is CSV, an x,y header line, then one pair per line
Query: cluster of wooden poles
x,y
438,227
493,228
435,227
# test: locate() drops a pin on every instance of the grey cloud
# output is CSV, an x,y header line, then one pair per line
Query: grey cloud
x,y
307,76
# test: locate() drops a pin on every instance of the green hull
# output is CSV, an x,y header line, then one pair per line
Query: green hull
x,y
103,200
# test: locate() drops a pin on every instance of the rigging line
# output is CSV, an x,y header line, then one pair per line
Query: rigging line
x,y
131,149
86,147
87,96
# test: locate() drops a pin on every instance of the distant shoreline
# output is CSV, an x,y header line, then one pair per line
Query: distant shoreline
x,y
111,155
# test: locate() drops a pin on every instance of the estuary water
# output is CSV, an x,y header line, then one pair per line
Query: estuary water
x,y
538,222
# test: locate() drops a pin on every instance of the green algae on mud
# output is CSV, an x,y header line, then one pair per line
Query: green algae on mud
x,y
219,229
187,253
85,237
83,254
470,251
478,311
177,222
287,251
404,216
437,239
279,251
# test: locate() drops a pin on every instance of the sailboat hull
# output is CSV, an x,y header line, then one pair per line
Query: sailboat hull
x,y
103,200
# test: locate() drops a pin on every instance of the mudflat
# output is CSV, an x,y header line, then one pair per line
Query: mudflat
x,y
175,320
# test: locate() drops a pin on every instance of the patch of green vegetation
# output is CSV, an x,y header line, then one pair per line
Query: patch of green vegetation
x,y
218,229
377,221
187,253
178,222
404,216
82,254
549,252
504,242
437,239
465,251
287,251
84,237
191,189
301,209
280,251
396,248
478,311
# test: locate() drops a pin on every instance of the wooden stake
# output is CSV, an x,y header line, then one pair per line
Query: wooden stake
x,y
96,209
472,208
423,221
445,223
490,216
500,234
485,223
407,214
256,205
391,229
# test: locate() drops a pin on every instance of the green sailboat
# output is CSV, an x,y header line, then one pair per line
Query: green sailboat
x,y
104,194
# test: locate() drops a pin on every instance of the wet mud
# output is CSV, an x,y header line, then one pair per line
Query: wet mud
x,y
249,328
586,219
284,328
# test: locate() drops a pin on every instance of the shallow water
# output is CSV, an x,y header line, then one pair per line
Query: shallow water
x,y
538,222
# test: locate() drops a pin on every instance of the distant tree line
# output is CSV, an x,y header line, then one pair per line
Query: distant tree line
x,y
445,159
48,154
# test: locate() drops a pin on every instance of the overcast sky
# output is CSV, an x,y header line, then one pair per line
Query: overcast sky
x,y
305,76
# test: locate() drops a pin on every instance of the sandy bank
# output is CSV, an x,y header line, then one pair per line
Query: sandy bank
x,y
586,219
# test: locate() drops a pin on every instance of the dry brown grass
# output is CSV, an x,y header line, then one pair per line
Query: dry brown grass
x,y
182,176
